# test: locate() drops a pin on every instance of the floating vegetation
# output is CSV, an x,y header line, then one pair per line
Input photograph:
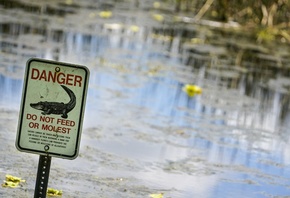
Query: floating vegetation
x,y
12,181
51,192
191,90
106,14
134,28
158,17
158,195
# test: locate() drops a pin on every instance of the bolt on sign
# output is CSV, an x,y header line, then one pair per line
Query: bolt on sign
x,y
52,108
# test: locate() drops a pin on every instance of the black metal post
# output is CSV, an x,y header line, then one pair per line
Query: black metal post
x,y
42,176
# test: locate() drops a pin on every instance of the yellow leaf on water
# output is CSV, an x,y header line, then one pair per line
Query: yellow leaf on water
x,y
192,90
156,4
158,17
197,41
10,184
12,181
159,195
69,2
134,28
54,192
105,14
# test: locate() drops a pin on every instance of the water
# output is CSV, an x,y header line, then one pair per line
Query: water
x,y
142,134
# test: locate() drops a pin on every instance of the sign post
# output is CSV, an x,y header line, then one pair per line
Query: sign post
x,y
42,176
52,110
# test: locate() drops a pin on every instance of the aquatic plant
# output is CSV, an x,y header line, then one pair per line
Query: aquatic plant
x,y
192,90
51,192
12,181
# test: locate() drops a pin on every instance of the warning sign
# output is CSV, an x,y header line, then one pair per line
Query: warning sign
x,y
52,108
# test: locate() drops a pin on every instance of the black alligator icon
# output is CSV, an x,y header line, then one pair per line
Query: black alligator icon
x,y
58,108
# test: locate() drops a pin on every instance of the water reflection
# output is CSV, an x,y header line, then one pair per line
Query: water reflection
x,y
232,139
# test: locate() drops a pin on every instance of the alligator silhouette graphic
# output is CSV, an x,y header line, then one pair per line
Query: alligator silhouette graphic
x,y
58,108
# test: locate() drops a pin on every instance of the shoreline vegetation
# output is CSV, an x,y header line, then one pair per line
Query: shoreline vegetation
x,y
265,20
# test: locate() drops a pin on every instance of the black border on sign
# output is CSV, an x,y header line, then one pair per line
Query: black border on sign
x,y
81,114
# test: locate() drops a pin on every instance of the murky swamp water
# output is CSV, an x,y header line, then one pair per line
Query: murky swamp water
x,y
142,134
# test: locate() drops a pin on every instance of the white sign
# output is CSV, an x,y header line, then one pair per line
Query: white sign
x,y
52,108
